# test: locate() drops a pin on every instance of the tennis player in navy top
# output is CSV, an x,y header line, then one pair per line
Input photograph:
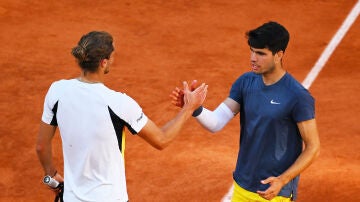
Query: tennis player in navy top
x,y
279,137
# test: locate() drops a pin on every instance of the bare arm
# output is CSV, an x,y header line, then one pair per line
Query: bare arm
x,y
310,136
44,147
161,137
233,105
44,150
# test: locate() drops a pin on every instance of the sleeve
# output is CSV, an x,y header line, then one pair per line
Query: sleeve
x,y
236,90
50,107
304,108
133,115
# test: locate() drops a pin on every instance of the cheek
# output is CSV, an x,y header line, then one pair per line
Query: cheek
x,y
269,60
262,61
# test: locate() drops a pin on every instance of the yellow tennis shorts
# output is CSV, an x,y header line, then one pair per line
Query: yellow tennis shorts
x,y
242,195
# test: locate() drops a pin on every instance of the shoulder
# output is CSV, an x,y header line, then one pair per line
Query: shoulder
x,y
293,83
63,83
248,80
57,87
243,83
116,95
296,88
247,77
120,100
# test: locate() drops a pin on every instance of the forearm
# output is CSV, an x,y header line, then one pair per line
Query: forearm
x,y
173,127
161,137
44,147
45,157
310,136
192,100
303,161
215,120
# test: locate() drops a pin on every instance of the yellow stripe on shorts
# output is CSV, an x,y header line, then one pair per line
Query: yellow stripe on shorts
x,y
242,195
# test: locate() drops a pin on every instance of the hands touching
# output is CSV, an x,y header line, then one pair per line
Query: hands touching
x,y
190,100
177,95
189,97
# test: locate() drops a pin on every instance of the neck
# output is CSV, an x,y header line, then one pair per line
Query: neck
x,y
87,77
274,76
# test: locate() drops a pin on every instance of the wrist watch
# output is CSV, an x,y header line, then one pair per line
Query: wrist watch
x,y
50,181
47,179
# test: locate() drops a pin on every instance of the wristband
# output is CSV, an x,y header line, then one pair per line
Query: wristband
x,y
197,111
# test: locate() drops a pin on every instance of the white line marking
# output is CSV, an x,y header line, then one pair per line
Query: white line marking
x,y
320,63
331,46
227,197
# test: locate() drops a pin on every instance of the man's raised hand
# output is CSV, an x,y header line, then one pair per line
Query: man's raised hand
x,y
177,95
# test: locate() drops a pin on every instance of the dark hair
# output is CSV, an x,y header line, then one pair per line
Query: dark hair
x,y
270,35
92,48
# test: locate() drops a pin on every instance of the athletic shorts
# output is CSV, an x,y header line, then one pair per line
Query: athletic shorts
x,y
242,195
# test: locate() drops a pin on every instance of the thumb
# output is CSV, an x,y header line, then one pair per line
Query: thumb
x,y
267,180
186,86
193,85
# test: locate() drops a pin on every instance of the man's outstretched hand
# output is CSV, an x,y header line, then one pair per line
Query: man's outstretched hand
x,y
177,95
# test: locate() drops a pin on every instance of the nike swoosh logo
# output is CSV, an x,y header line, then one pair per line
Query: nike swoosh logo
x,y
274,103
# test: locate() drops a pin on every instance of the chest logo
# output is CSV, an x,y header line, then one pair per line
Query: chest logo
x,y
274,102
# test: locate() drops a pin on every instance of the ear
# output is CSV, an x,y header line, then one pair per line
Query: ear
x,y
104,62
278,56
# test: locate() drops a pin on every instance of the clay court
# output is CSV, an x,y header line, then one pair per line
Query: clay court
x,y
158,45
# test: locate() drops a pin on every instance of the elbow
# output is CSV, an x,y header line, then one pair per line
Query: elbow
x,y
317,151
39,148
213,131
161,145
160,148
215,128
313,150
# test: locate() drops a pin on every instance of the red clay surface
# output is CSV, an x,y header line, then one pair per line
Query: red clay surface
x,y
159,44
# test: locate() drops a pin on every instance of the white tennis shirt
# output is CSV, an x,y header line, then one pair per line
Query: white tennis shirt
x,y
91,119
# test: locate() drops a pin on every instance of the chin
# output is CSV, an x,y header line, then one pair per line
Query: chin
x,y
256,72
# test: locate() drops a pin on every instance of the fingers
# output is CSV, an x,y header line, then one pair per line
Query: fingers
x,y
58,177
180,97
202,90
268,195
186,86
273,190
267,180
193,85
176,93
198,95
174,97
203,93
177,96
